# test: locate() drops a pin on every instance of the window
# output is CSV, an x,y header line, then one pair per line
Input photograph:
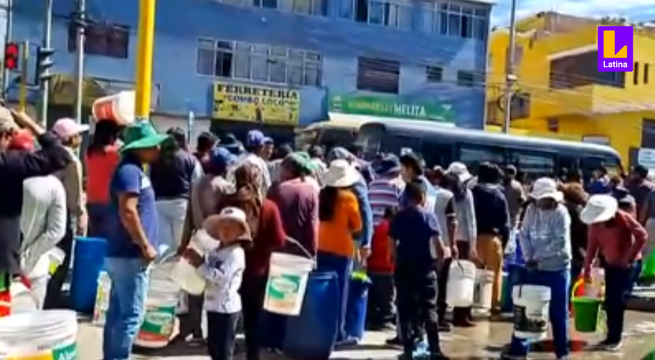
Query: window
x,y
520,106
574,71
306,7
434,74
533,164
104,39
456,20
474,155
378,75
243,61
391,13
466,78
635,74
646,66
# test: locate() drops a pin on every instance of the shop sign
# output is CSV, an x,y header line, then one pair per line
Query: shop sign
x,y
255,103
392,107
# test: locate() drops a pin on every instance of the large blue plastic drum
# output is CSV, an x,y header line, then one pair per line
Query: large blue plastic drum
x,y
311,335
88,260
356,310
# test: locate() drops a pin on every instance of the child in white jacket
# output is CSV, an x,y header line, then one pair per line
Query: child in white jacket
x,y
223,270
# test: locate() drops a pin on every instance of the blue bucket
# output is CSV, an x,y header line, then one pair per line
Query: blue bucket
x,y
88,260
311,335
356,311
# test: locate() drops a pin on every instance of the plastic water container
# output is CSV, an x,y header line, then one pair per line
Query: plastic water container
x,y
184,274
355,324
50,334
88,260
102,299
595,288
56,257
312,334
161,309
287,282
484,283
531,305
461,283
118,107
22,299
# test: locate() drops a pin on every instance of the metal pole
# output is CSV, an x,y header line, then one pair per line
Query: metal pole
x,y
510,78
8,35
45,83
79,63
145,46
22,93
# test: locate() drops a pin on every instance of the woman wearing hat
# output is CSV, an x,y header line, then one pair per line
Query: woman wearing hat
x,y
619,238
339,221
223,270
546,245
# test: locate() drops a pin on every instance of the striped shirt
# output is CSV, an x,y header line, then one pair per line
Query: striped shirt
x,y
546,237
384,192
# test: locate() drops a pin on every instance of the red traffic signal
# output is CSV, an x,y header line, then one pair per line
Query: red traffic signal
x,y
12,53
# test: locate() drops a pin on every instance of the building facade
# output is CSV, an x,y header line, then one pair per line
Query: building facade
x,y
283,62
560,90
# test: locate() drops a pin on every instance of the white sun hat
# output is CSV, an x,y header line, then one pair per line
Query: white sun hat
x,y
213,222
599,208
546,188
460,170
341,174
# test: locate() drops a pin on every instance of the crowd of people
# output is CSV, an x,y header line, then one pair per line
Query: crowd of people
x,y
147,193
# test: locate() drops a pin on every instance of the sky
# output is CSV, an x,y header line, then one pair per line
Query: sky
x,y
633,10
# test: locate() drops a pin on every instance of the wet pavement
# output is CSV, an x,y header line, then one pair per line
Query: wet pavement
x,y
483,342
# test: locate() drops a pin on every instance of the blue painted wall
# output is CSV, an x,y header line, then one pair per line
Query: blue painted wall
x,y
181,23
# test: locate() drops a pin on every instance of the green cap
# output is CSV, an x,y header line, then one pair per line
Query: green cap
x,y
302,159
141,135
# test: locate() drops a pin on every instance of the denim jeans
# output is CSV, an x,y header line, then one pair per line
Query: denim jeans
x,y
559,283
126,306
342,266
171,213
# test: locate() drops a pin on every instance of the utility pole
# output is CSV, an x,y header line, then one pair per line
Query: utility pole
x,y
44,78
80,20
145,48
510,77
22,90
8,35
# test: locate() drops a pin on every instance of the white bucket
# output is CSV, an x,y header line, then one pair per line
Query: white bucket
x,y
461,283
118,107
50,334
484,284
594,289
287,282
102,299
160,314
531,305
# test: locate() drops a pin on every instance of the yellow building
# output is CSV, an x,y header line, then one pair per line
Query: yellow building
x,y
560,91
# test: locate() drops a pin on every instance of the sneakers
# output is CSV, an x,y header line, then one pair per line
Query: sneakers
x,y
610,346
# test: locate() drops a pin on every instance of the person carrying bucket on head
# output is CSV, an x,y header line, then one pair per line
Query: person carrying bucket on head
x,y
545,242
619,238
223,270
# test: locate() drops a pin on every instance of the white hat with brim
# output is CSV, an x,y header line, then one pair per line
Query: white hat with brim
x,y
341,174
599,208
460,170
213,222
546,188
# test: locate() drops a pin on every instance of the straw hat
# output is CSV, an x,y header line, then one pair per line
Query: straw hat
x,y
546,188
341,174
213,222
599,208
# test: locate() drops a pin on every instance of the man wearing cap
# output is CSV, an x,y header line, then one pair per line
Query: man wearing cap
x,y
70,133
255,142
132,241
15,168
42,221
205,143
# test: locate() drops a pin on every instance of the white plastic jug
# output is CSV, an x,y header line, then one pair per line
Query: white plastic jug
x,y
484,284
460,288
22,299
118,107
184,274
531,305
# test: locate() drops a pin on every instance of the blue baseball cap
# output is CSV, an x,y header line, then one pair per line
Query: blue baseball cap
x,y
220,156
268,140
255,138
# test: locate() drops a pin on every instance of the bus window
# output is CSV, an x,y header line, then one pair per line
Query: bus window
x,y
306,138
399,145
533,164
333,137
474,155
370,141
436,153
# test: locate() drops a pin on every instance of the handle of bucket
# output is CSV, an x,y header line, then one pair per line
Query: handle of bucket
x,y
300,246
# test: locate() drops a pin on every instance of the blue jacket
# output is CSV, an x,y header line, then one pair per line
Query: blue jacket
x,y
361,192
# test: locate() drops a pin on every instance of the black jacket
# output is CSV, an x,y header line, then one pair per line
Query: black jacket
x,y
15,167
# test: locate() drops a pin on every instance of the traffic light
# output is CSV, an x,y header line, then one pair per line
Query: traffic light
x,y
43,63
12,56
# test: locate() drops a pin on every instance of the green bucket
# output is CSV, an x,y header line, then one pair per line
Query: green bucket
x,y
585,314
